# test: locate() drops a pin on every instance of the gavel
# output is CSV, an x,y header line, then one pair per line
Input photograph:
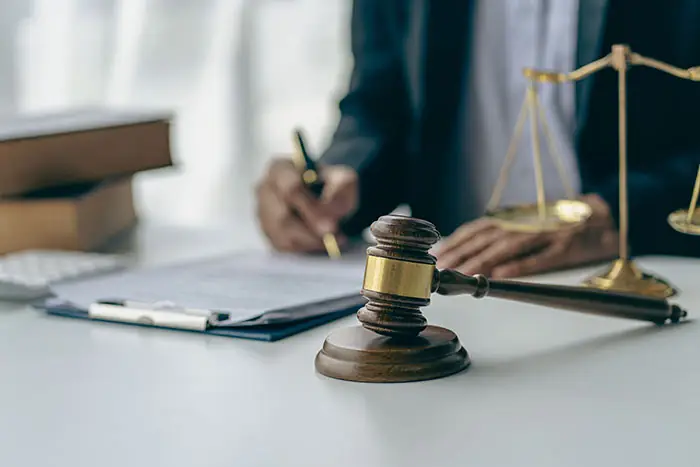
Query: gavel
x,y
395,343
401,275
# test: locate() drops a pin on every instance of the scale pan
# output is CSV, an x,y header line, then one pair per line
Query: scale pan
x,y
679,221
526,217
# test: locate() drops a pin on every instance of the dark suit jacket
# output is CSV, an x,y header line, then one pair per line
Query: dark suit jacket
x,y
401,119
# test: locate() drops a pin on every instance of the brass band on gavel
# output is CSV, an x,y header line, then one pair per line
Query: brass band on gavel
x,y
396,277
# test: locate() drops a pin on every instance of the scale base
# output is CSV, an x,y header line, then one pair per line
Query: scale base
x,y
357,354
624,276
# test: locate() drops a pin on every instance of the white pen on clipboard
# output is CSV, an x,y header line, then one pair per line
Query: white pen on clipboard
x,y
158,306
164,314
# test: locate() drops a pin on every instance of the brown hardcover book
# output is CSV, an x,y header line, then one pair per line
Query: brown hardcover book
x,y
78,217
48,150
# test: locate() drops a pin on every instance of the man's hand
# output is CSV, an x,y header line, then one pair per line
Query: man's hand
x,y
292,217
481,247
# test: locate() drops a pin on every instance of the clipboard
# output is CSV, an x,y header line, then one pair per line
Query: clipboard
x,y
245,295
269,329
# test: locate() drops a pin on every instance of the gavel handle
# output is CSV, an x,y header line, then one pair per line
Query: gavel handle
x,y
581,299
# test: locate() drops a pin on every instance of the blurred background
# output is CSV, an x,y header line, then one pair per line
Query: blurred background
x,y
239,75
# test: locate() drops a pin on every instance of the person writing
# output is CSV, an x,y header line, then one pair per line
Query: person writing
x,y
432,102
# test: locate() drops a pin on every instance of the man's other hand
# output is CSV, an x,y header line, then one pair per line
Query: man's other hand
x,y
481,247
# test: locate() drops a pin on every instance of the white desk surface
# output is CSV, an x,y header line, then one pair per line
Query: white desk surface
x,y
546,388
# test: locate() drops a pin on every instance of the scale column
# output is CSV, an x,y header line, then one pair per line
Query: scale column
x,y
619,63
624,275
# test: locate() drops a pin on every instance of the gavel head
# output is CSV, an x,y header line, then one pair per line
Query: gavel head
x,y
400,276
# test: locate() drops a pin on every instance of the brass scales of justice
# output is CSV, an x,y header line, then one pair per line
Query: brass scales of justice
x,y
395,343
623,275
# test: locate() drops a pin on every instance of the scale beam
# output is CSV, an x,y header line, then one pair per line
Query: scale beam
x,y
692,74
542,76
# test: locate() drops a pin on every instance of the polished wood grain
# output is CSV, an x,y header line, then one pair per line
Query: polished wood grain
x,y
395,342
407,239
580,299
358,354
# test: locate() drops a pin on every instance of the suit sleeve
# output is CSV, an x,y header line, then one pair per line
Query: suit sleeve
x,y
374,114
653,194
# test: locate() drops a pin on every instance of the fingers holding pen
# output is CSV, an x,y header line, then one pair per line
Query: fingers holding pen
x,y
291,189
286,231
296,219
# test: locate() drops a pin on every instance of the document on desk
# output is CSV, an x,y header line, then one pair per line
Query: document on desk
x,y
247,289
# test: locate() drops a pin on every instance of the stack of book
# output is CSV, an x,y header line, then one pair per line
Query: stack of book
x,y
66,178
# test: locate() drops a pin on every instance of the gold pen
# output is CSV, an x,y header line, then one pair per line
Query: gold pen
x,y
309,174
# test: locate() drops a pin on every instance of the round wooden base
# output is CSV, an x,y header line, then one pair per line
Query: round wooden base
x,y
356,354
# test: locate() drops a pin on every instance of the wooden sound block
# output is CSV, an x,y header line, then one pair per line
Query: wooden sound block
x,y
357,354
